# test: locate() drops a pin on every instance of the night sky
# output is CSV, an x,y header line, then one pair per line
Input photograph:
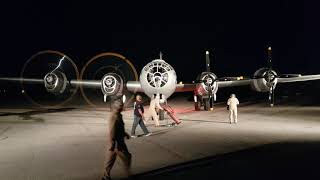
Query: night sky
x,y
237,33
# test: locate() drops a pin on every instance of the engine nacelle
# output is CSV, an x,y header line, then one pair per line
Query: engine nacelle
x,y
112,84
264,79
55,82
208,81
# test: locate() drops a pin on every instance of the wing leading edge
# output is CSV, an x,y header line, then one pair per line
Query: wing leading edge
x,y
17,79
135,86
233,83
299,78
94,84
244,82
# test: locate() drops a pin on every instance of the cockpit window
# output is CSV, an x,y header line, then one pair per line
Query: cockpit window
x,y
157,73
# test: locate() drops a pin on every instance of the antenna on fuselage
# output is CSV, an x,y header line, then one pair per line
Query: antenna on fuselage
x,y
160,55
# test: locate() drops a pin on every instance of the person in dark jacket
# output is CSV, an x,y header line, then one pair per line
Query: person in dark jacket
x,y
118,146
139,117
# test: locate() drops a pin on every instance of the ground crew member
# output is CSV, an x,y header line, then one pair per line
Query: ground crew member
x,y
118,147
153,109
232,103
139,118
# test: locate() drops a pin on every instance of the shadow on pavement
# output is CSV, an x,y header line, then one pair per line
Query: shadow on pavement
x,y
272,161
27,115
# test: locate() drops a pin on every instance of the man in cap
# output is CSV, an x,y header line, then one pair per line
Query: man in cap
x,y
139,117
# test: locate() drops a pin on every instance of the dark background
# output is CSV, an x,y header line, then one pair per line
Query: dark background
x,y
237,33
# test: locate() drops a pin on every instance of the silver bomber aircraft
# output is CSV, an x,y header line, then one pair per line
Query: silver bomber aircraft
x,y
159,77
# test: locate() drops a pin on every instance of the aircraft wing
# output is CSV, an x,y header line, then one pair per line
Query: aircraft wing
x,y
134,86
17,79
229,83
86,83
233,83
244,82
299,78
185,87
93,84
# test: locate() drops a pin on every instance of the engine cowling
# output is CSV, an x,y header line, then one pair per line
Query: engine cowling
x,y
264,79
55,82
208,81
112,85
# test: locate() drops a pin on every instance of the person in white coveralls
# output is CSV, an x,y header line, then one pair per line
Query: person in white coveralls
x,y
232,103
153,109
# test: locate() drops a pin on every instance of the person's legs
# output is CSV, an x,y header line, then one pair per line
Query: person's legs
x,y
155,118
143,127
230,115
134,125
110,162
235,113
126,158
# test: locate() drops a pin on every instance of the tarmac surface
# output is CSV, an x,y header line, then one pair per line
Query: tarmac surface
x,y
70,144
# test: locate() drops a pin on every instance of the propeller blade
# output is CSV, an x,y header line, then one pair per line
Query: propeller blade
x,y
271,96
207,62
269,57
289,75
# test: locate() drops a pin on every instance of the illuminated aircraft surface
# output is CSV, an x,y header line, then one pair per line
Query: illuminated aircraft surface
x,y
159,77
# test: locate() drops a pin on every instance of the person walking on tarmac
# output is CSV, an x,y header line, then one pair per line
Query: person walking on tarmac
x,y
118,146
153,109
232,103
139,118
